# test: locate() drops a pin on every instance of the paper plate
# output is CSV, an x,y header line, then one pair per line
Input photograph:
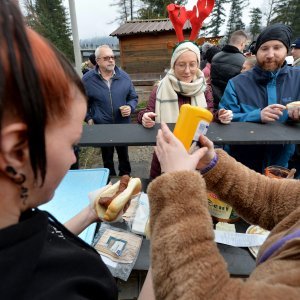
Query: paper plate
x,y
255,229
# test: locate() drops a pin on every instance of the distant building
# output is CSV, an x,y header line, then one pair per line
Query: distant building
x,y
146,49
146,45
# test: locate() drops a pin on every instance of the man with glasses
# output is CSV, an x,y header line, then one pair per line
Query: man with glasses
x,y
111,100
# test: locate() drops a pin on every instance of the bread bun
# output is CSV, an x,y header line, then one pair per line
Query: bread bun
x,y
118,203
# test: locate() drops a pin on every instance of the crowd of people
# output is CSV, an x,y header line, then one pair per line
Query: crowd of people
x,y
43,103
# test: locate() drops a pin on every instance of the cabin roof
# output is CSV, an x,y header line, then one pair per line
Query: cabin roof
x,y
147,26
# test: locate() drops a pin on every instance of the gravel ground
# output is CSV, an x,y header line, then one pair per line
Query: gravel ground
x,y
140,159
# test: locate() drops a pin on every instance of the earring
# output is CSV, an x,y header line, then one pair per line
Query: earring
x,y
18,178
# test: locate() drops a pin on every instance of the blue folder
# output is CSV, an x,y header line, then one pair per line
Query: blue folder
x,y
71,196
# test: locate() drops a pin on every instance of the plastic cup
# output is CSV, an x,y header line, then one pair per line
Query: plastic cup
x,y
276,172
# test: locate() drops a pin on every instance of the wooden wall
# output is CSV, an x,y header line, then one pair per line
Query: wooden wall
x,y
146,53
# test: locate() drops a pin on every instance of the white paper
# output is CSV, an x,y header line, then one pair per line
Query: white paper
x,y
108,261
239,239
142,215
222,226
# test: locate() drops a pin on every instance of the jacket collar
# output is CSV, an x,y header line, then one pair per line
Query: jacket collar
x,y
231,49
116,74
264,77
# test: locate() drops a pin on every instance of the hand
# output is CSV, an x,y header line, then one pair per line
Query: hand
x,y
225,116
271,113
90,122
125,110
294,113
148,119
172,154
209,155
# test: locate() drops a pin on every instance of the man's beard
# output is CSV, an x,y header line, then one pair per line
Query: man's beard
x,y
271,65
110,67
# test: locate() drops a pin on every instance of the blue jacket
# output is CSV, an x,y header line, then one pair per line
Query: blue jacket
x,y
104,102
247,93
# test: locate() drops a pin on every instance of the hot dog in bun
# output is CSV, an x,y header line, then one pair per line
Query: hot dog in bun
x,y
112,200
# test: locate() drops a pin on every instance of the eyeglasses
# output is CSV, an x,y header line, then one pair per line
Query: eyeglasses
x,y
107,58
183,66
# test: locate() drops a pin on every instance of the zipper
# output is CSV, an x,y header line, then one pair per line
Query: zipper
x,y
111,105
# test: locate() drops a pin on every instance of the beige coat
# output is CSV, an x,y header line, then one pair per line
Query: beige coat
x,y
185,259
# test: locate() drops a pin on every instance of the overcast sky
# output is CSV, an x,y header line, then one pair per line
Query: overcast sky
x,y
94,16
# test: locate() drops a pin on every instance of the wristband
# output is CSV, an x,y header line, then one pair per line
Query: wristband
x,y
212,163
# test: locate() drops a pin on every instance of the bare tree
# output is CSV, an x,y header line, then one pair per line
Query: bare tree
x,y
269,10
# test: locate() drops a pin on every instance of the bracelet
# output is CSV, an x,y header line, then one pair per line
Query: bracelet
x,y
212,163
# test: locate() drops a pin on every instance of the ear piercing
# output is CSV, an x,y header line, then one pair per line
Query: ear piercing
x,y
18,178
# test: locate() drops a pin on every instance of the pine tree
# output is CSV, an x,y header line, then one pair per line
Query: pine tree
x,y
255,23
287,12
235,21
156,9
49,18
217,18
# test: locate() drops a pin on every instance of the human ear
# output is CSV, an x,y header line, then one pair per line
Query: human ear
x,y
14,146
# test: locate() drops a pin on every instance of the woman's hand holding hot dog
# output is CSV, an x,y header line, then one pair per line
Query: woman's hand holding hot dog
x,y
174,157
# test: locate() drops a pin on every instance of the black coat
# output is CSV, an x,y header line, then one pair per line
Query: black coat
x,y
225,65
41,259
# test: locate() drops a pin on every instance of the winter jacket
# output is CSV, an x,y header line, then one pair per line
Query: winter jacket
x,y
251,91
104,102
41,259
225,65
296,62
186,263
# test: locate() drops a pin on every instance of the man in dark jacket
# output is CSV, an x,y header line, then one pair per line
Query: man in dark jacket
x,y
111,100
227,64
261,94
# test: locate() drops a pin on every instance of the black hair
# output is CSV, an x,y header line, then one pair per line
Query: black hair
x,y
23,91
25,82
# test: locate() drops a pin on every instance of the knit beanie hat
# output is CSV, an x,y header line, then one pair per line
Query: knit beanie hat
x,y
279,32
296,43
211,52
184,47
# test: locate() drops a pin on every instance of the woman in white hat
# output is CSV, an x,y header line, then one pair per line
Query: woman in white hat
x,y
183,84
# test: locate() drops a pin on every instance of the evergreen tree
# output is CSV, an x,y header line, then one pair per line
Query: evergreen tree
x,y
255,23
49,18
235,21
156,9
287,12
217,18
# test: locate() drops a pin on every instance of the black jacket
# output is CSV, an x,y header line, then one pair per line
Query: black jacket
x,y
41,259
225,65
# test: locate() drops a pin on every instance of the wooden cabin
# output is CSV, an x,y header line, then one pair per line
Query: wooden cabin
x,y
144,45
146,49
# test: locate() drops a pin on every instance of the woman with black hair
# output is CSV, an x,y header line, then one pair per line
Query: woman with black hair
x,y
42,107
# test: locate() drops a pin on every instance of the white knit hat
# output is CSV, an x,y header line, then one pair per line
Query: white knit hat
x,y
183,47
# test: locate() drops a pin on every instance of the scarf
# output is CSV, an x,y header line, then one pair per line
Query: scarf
x,y
166,106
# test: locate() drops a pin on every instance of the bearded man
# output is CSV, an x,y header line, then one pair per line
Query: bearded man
x,y
261,94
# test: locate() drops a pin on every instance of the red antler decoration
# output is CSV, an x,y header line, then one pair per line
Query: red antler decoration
x,y
178,16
